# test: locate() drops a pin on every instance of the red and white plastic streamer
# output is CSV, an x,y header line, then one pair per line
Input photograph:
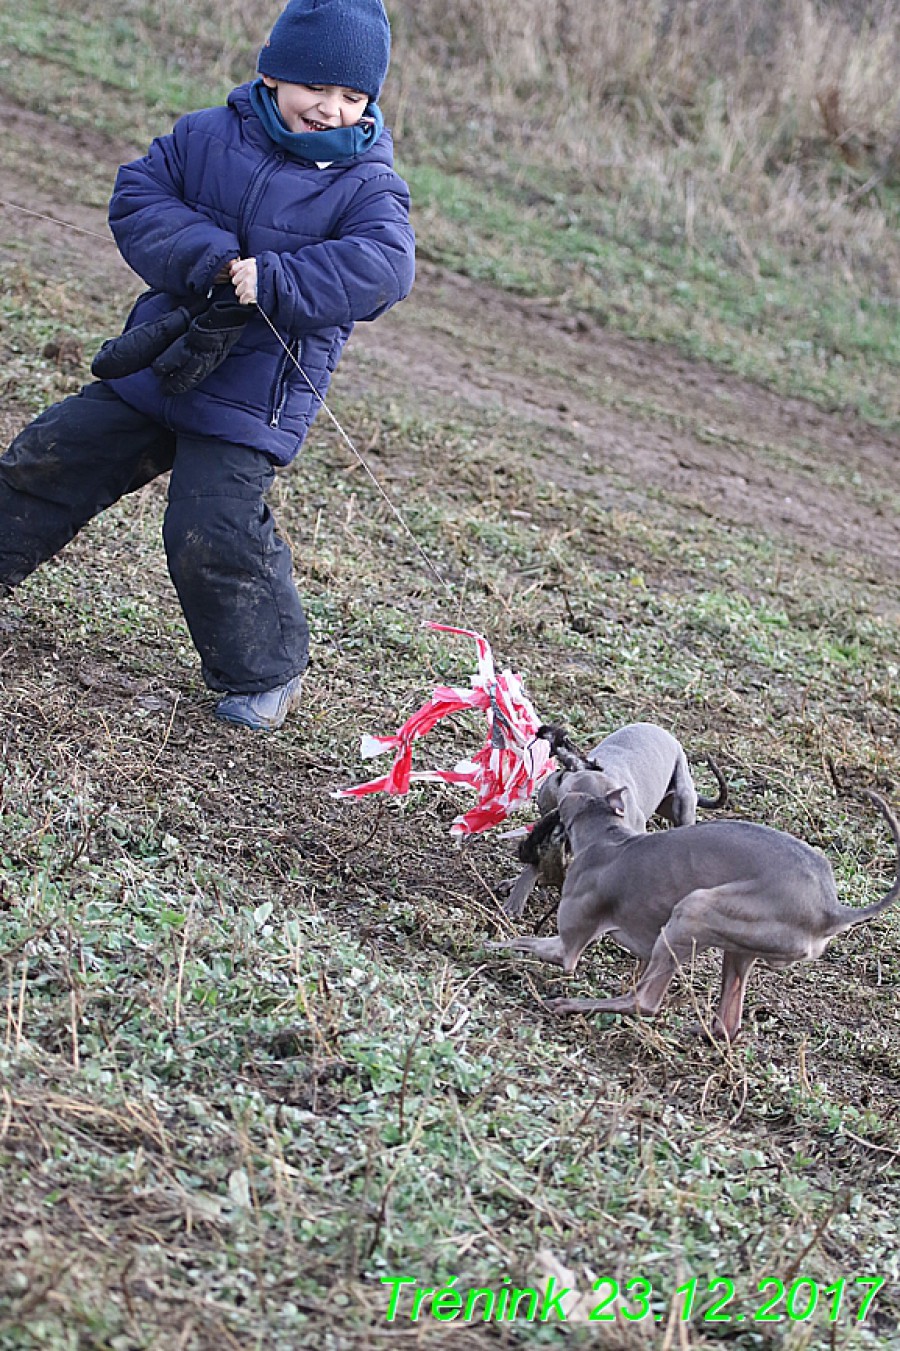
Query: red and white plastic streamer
x,y
505,772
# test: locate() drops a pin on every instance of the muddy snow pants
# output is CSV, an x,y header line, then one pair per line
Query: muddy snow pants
x,y
231,569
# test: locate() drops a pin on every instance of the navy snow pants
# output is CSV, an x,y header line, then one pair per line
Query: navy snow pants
x,y
231,569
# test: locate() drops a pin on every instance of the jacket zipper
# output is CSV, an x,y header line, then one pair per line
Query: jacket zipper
x,y
282,381
246,212
256,187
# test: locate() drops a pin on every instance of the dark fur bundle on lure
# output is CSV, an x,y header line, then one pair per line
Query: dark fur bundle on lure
x,y
566,753
545,832
546,847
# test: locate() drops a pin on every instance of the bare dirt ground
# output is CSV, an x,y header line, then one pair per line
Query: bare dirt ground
x,y
651,416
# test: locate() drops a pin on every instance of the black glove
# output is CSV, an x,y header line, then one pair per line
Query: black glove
x,y
136,347
203,347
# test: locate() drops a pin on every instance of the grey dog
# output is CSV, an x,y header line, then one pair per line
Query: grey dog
x,y
756,893
642,758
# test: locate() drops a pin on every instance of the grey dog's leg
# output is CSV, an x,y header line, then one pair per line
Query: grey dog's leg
x,y
520,891
683,797
735,970
676,944
578,926
547,949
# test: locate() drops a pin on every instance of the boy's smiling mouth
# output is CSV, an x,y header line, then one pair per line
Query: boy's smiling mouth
x,y
315,126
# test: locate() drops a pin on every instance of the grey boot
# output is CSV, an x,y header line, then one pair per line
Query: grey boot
x,y
262,712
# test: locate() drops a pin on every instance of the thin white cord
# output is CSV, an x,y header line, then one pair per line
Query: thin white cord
x,y
55,220
349,443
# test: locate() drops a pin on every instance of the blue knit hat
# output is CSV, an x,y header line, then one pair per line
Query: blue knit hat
x,y
340,42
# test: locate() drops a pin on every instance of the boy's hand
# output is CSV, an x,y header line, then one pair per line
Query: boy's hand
x,y
243,279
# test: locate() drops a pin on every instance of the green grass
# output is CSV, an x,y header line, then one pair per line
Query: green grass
x,y
112,72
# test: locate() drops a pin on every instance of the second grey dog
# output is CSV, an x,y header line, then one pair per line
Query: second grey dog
x,y
644,760
756,893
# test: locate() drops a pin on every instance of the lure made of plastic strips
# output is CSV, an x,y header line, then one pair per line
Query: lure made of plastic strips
x,y
505,772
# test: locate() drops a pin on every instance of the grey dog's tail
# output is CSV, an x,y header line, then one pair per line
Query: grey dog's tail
x,y
855,916
714,803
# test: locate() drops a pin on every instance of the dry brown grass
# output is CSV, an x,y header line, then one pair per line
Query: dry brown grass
x,y
787,72
762,119
764,123
765,81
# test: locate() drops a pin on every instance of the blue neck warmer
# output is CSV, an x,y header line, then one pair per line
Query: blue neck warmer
x,y
313,147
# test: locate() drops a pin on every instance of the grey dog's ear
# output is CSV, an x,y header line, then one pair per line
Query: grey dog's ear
x,y
616,800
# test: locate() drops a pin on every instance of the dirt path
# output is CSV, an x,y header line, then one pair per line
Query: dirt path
x,y
707,440
671,430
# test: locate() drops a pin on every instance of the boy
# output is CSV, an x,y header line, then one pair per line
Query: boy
x,y
283,201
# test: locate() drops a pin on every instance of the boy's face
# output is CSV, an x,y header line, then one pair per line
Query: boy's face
x,y
317,107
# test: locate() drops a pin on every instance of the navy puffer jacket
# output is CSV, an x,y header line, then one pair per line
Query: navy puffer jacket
x,y
333,246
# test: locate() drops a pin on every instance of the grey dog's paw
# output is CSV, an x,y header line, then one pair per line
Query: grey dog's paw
x,y
565,1005
513,909
713,1033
